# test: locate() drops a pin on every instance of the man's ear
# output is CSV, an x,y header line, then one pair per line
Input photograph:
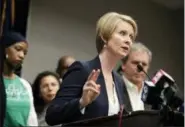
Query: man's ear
x,y
123,67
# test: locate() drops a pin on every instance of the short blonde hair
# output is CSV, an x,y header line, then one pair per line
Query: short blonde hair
x,y
107,24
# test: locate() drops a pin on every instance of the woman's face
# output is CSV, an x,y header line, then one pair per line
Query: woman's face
x,y
121,40
16,53
49,86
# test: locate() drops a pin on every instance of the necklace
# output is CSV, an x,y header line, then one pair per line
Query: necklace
x,y
114,99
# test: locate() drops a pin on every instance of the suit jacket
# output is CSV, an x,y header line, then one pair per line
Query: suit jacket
x,y
65,107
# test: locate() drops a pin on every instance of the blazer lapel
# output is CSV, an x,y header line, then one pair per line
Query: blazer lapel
x,y
122,92
126,98
103,98
118,86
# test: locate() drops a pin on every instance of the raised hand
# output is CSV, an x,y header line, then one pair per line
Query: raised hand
x,y
91,90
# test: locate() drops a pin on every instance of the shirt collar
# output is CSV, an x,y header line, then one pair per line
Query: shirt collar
x,y
131,85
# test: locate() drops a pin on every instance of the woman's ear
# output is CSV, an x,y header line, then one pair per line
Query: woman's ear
x,y
6,53
103,39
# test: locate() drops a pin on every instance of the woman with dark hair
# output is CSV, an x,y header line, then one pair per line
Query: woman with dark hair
x,y
19,99
45,88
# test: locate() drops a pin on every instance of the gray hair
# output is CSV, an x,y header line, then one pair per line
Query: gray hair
x,y
138,46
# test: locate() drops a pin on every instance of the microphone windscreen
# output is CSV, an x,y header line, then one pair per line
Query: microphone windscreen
x,y
150,94
139,68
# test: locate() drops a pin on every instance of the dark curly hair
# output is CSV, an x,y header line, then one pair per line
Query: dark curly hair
x,y
38,101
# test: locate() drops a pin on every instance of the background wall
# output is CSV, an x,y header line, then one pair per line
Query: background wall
x,y
67,27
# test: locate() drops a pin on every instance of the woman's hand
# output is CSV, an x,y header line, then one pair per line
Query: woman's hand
x,y
91,90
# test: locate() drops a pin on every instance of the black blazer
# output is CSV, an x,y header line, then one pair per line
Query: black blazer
x,y
65,107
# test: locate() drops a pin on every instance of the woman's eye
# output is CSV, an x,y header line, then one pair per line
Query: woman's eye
x,y
123,32
18,49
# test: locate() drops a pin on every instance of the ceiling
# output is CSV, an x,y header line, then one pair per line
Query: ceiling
x,y
171,4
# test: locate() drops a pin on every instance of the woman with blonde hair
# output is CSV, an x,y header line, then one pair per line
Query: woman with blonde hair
x,y
92,89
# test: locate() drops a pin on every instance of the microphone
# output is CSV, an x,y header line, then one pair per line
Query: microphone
x,y
140,68
163,80
150,95
163,92
164,96
168,89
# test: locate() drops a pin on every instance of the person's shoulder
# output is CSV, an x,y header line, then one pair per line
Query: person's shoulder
x,y
81,63
118,76
84,65
78,67
77,64
25,82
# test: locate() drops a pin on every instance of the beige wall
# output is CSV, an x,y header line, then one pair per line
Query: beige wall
x,y
67,27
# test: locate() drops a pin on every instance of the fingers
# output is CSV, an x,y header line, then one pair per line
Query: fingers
x,y
94,94
92,84
90,75
91,90
92,87
94,75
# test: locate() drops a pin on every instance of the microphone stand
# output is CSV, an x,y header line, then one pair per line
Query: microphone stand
x,y
170,117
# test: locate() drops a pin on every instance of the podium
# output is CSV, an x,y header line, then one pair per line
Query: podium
x,y
133,119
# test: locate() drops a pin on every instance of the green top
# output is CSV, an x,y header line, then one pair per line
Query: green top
x,y
17,104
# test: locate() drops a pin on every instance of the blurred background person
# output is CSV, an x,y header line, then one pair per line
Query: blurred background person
x,y
92,89
19,100
134,79
45,87
63,64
